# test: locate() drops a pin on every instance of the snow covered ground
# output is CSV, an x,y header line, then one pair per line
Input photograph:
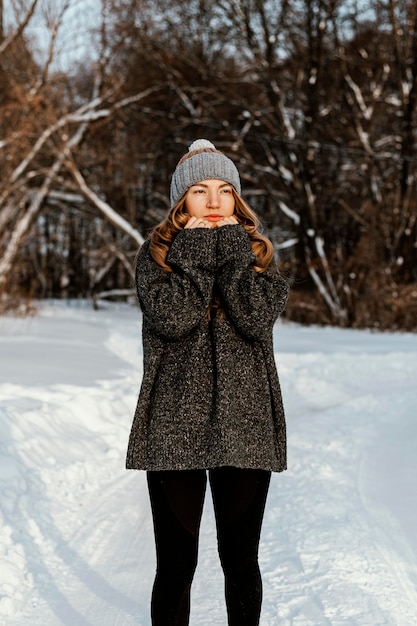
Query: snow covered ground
x,y
339,543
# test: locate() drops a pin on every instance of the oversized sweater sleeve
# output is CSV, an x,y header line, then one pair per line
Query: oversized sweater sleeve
x,y
252,300
173,303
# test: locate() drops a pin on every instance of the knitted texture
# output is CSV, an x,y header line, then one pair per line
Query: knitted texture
x,y
200,167
201,144
210,394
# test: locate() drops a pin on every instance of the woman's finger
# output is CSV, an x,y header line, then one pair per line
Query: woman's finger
x,y
228,221
197,222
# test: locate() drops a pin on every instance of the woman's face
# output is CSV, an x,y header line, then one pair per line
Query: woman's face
x,y
210,199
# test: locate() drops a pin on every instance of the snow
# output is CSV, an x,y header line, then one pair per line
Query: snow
x,y
339,542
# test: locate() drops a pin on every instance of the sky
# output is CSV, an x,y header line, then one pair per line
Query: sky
x,y
74,41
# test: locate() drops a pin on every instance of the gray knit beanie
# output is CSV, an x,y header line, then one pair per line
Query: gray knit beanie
x,y
201,166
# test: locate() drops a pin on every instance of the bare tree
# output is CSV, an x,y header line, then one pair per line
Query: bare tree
x,y
39,149
315,100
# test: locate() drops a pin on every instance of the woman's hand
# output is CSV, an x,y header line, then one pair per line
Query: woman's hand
x,y
198,222
227,221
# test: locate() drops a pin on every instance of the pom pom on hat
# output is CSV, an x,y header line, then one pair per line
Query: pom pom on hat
x,y
201,144
202,166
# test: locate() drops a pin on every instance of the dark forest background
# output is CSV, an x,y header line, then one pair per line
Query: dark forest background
x,y
314,100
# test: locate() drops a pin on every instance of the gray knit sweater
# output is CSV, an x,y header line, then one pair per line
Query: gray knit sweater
x,y
210,394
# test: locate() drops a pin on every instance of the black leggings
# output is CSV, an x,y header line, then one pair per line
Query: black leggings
x,y
177,498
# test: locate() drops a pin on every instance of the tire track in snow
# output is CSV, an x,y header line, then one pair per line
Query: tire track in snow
x,y
76,531
338,569
51,509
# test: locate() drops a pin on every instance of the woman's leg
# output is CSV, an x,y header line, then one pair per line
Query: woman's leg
x,y
239,497
177,499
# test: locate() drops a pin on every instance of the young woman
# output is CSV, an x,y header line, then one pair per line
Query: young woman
x,y
210,401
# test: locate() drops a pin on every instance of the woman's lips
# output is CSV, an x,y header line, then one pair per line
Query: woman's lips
x,y
214,217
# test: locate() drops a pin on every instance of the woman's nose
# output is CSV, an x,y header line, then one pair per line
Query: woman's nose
x,y
213,199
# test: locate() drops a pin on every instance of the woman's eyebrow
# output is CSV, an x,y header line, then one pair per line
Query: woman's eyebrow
x,y
206,186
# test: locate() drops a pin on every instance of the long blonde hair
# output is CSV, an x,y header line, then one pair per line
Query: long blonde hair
x,y
163,234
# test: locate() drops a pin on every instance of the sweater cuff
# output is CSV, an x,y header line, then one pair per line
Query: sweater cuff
x,y
232,242
193,247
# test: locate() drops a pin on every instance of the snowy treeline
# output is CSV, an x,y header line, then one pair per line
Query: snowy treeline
x,y
315,100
